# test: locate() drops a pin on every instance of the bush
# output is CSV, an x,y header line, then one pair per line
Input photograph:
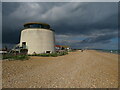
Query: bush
x,y
62,53
26,57
54,54
50,54
15,57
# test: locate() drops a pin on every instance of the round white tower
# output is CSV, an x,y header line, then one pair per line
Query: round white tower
x,y
37,38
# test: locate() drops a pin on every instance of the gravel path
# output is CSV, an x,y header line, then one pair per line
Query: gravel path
x,y
88,69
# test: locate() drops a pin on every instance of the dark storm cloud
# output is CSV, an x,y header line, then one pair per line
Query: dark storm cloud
x,y
89,18
99,39
96,22
9,8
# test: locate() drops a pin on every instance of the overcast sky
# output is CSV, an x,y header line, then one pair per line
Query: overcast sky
x,y
76,24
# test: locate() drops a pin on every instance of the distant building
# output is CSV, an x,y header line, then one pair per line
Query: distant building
x,y
65,47
58,47
3,52
62,47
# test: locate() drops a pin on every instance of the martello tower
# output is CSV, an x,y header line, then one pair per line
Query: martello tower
x,y
38,38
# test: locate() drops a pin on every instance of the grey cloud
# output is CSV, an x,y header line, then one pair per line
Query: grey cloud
x,y
91,41
99,39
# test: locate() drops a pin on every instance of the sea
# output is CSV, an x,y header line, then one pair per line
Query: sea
x,y
110,51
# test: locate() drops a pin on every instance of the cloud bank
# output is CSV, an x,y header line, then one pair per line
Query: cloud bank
x,y
76,24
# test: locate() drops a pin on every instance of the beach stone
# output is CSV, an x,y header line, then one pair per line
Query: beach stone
x,y
75,70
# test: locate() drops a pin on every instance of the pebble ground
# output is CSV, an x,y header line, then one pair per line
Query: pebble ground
x,y
88,69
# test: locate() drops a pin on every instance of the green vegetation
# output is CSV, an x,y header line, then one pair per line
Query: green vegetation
x,y
26,57
15,57
50,54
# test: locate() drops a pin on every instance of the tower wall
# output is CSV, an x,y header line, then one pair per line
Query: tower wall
x,y
38,40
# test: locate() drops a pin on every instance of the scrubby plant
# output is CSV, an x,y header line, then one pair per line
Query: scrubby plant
x,y
15,57
50,54
26,57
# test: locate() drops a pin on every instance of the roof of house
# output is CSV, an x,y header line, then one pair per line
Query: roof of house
x,y
57,46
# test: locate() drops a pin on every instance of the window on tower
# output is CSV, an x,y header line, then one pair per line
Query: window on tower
x,y
37,26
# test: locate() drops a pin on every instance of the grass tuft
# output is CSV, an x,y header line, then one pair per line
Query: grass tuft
x,y
50,54
15,57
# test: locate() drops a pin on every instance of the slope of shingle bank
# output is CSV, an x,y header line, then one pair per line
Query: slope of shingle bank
x,y
88,69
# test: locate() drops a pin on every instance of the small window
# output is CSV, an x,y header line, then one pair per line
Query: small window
x,y
23,43
48,51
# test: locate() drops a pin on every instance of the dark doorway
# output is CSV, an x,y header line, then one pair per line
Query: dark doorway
x,y
48,51
23,43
